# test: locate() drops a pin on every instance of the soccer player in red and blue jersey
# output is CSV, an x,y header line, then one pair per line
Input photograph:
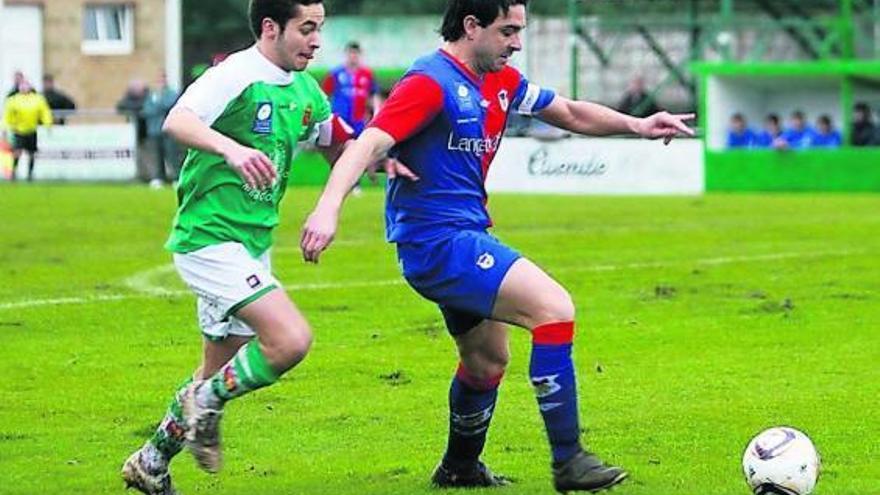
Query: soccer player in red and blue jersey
x,y
445,121
352,89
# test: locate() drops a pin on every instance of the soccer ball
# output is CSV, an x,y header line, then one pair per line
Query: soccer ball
x,y
781,461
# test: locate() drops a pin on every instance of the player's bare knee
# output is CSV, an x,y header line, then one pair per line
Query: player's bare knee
x,y
554,309
497,360
297,344
287,348
493,370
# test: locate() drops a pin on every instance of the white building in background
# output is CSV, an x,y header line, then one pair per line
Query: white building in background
x,y
93,49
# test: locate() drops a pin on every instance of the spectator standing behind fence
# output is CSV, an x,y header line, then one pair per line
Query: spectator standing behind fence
x,y
864,132
739,135
826,136
132,105
57,99
799,134
636,101
25,112
771,135
163,150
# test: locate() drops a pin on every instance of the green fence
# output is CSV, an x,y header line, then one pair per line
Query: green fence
x,y
846,169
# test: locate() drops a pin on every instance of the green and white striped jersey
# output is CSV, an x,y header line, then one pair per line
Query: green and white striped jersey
x,y
261,106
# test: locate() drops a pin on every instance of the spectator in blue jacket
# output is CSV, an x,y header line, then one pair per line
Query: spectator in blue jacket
x,y
771,135
739,135
826,136
799,134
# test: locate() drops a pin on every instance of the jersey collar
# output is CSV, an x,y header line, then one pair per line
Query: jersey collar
x,y
477,80
275,75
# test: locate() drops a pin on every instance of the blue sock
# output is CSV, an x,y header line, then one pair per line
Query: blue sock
x,y
471,405
552,373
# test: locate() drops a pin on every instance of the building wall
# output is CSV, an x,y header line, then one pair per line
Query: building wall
x,y
99,81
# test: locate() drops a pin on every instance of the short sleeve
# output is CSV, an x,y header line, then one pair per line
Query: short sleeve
x,y
410,107
209,95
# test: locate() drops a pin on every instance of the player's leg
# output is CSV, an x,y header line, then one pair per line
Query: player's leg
x,y
31,162
530,298
31,148
462,274
483,352
16,155
283,340
168,439
147,469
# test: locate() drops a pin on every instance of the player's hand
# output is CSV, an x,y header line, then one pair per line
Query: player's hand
x,y
665,125
394,168
254,167
318,232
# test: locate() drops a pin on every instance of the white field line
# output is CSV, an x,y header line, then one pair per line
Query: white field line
x,y
144,287
728,260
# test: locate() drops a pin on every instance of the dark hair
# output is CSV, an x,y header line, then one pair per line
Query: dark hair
x,y
280,11
797,114
862,107
486,11
738,116
772,118
825,120
353,45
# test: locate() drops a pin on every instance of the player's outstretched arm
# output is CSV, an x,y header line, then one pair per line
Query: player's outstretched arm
x,y
592,119
320,228
254,167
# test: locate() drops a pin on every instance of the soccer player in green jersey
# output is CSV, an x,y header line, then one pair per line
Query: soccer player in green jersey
x,y
243,121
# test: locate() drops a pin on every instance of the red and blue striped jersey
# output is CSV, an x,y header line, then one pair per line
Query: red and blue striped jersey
x,y
448,124
349,92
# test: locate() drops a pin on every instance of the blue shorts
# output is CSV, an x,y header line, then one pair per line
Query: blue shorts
x,y
461,272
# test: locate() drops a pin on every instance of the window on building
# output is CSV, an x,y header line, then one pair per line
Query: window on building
x,y
108,29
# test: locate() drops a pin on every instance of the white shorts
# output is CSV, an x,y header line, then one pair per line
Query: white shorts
x,y
225,278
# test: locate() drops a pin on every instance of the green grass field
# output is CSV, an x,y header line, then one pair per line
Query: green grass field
x,y
701,322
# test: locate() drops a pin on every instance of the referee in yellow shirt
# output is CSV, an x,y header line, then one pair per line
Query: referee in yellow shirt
x,y
24,113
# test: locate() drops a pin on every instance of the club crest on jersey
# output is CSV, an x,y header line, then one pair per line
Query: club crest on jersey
x,y
486,261
307,116
465,102
254,281
502,100
263,119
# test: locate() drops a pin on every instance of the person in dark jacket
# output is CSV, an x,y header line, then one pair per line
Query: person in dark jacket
x,y
636,101
864,132
57,99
